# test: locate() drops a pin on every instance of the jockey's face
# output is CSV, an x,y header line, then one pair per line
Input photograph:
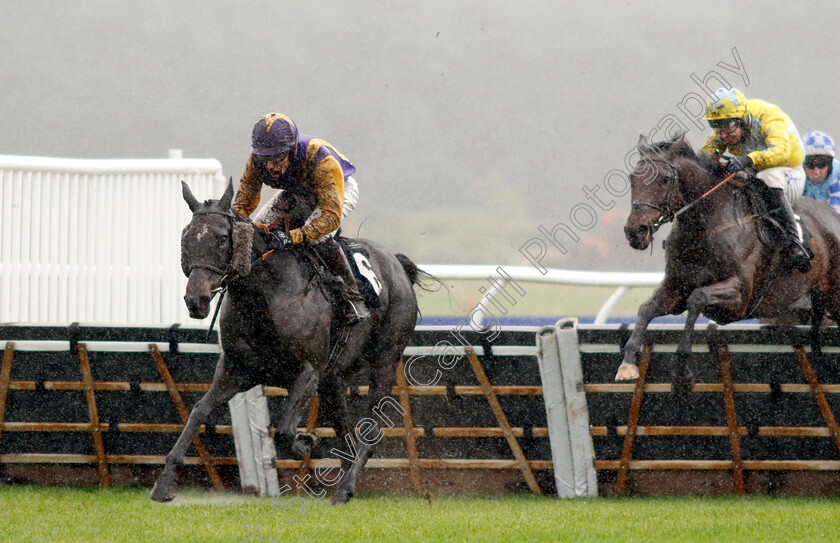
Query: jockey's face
x,y
731,135
817,167
276,165
816,175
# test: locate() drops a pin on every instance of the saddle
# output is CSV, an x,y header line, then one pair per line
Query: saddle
x,y
770,232
291,211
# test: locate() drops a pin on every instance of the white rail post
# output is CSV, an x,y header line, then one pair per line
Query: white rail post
x,y
607,308
548,355
566,410
255,451
244,446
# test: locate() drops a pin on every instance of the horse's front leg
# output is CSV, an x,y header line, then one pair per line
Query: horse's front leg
x,y
286,437
223,389
725,295
666,300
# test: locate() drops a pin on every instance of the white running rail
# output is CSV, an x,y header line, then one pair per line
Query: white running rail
x,y
96,240
621,280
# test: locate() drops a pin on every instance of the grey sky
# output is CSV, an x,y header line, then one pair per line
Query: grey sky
x,y
471,123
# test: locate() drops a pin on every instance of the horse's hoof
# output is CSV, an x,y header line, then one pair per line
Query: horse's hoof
x,y
162,493
303,444
341,497
627,372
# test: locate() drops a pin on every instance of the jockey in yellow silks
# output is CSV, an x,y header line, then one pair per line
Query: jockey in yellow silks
x,y
760,135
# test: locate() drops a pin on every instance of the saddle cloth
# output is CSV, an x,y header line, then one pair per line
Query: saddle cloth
x,y
366,278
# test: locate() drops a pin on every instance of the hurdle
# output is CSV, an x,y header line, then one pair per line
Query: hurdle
x,y
480,429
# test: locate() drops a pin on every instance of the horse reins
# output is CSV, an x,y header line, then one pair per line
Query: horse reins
x,y
228,273
667,215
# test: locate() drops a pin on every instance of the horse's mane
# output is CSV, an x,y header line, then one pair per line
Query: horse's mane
x,y
683,149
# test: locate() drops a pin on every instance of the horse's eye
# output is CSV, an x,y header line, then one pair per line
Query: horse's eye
x,y
223,239
667,179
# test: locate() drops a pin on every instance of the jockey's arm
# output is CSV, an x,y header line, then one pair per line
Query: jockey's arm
x,y
329,191
248,194
834,195
713,145
778,132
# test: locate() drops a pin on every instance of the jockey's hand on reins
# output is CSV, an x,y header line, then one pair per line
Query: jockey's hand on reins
x,y
737,163
277,240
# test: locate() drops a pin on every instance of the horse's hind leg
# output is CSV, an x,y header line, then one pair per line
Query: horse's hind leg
x,y
332,394
286,437
683,379
724,295
382,379
223,389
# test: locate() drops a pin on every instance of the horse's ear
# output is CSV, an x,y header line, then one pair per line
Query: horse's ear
x,y
227,197
643,143
191,200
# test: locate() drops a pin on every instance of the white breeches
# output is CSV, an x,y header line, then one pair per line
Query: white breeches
x,y
790,180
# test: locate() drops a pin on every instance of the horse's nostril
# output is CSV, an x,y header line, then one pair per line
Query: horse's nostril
x,y
204,300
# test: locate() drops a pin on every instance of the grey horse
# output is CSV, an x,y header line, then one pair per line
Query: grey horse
x,y
275,327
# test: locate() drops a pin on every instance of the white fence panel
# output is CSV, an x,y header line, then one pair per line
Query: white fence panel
x,y
96,240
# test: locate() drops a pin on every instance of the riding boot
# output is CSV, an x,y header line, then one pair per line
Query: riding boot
x,y
354,303
798,257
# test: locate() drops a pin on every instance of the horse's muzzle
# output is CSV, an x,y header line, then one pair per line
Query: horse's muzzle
x,y
199,293
639,236
199,307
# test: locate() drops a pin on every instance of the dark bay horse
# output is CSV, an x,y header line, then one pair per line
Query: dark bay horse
x,y
275,328
715,262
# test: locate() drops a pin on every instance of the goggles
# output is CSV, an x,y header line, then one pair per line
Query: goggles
x,y
265,159
719,124
817,161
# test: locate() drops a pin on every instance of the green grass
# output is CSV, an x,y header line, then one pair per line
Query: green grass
x,y
539,300
44,514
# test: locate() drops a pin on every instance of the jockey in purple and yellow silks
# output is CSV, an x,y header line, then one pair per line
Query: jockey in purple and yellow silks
x,y
281,158
760,135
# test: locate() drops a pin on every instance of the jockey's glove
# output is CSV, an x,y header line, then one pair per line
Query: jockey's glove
x,y
738,163
277,240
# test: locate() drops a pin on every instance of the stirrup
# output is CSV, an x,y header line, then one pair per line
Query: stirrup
x,y
354,314
798,259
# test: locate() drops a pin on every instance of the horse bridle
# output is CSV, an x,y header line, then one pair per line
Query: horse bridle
x,y
227,272
666,216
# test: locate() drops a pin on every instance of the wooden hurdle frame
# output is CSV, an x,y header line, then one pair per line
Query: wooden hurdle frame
x,y
620,473
626,465
158,356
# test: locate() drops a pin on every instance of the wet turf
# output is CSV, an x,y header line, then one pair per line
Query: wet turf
x,y
43,514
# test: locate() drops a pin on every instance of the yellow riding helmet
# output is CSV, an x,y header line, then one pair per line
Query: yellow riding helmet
x,y
726,104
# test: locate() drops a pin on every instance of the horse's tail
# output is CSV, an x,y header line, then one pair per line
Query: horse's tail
x,y
418,277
